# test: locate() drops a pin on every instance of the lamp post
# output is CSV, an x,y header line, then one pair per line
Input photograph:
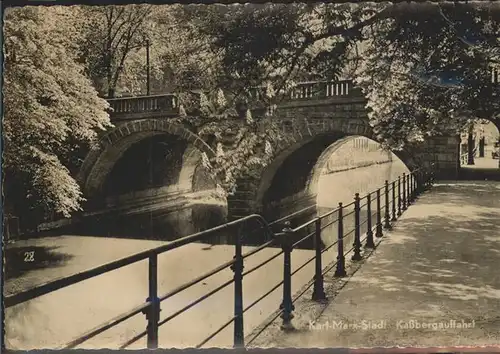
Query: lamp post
x,y
148,86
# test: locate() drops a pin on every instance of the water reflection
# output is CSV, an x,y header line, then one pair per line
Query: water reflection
x,y
164,224
342,186
357,166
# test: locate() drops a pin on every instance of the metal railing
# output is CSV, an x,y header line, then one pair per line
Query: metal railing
x,y
380,208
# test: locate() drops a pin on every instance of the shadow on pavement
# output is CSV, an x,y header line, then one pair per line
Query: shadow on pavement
x,y
443,263
492,174
439,264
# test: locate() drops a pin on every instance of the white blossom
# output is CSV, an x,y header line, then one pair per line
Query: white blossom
x,y
270,92
220,99
220,150
248,117
268,149
204,104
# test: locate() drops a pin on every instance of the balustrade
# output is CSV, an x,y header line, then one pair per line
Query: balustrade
x,y
322,89
145,104
168,104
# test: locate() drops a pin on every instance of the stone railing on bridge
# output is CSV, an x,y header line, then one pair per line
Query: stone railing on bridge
x,y
138,107
315,90
168,105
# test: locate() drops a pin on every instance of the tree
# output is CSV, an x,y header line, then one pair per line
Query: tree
x,y
430,80
50,108
423,67
181,57
112,34
239,144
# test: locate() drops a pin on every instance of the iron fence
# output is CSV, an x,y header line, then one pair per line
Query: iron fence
x,y
380,209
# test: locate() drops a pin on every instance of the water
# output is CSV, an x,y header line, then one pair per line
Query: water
x,y
58,317
165,224
341,187
357,166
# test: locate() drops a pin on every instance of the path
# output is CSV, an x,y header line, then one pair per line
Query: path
x,y
438,268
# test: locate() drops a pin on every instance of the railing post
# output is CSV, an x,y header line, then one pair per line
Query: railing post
x,y
432,177
403,203
387,224
357,234
410,188
153,312
394,201
429,179
369,232
319,290
340,271
237,268
399,196
424,180
287,304
379,232
419,183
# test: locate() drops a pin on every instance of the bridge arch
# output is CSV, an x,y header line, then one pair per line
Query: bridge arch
x,y
294,173
102,158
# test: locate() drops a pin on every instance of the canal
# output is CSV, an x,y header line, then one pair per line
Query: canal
x,y
56,318
357,166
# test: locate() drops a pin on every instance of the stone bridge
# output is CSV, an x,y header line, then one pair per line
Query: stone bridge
x,y
315,119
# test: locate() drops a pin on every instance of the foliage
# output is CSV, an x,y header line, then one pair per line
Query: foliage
x,y
49,105
430,80
179,58
402,55
424,69
111,35
240,144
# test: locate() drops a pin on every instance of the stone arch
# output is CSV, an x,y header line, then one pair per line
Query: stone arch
x,y
334,133
111,146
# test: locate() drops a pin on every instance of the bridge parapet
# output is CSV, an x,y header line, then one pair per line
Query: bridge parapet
x,y
168,105
137,107
325,89
311,90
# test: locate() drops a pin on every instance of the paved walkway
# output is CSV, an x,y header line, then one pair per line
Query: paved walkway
x,y
433,281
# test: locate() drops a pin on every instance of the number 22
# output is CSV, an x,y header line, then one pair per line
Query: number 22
x,y
29,256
